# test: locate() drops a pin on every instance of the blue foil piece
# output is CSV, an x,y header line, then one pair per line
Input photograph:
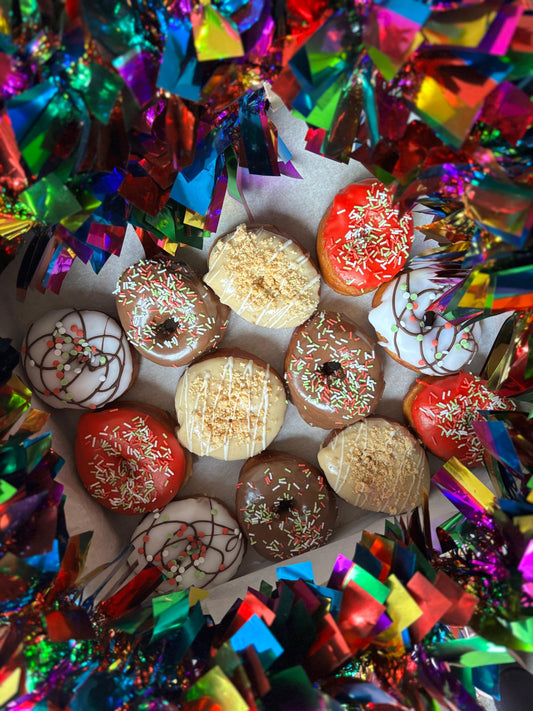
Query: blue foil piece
x,y
24,110
255,633
296,571
194,186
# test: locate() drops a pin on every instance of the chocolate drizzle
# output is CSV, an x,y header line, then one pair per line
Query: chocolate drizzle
x,y
193,541
77,358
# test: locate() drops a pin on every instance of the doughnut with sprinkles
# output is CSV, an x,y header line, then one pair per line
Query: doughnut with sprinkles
x,y
362,240
332,371
169,315
193,541
411,333
284,505
78,359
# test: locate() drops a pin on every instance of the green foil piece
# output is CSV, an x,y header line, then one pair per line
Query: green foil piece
x,y
50,200
6,491
170,612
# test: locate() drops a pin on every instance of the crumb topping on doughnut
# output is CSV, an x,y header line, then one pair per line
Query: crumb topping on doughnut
x,y
376,464
264,277
225,408
229,407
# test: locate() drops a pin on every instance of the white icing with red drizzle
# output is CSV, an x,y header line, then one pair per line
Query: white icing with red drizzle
x,y
419,338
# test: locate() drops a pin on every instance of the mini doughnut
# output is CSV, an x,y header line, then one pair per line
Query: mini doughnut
x,y
362,240
193,541
413,335
332,371
284,505
264,276
128,457
78,359
376,464
229,405
442,411
169,315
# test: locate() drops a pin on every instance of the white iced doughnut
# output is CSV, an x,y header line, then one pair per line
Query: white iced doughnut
x,y
78,359
412,334
194,541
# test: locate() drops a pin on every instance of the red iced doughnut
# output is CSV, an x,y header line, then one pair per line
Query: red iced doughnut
x,y
129,459
442,410
362,240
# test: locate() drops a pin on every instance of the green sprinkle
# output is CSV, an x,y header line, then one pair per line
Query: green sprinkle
x,y
409,306
64,381
420,337
438,356
394,328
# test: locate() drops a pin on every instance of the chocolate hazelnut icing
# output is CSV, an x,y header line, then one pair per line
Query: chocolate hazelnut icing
x,y
170,316
284,505
332,370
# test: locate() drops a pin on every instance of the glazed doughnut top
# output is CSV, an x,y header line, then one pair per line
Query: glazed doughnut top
x,y
194,541
417,337
284,505
332,370
167,311
77,359
366,240
264,277
229,405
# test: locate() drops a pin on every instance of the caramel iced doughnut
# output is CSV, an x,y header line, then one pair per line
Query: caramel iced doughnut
x,y
229,405
376,464
284,505
78,359
413,335
193,541
264,276
169,315
362,240
332,371
128,457
442,411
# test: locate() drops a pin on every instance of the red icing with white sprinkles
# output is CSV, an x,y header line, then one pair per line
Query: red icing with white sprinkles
x,y
444,409
128,461
365,241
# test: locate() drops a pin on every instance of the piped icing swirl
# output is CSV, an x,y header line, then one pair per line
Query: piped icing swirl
x,y
284,505
265,277
193,541
409,331
77,359
332,370
169,315
229,405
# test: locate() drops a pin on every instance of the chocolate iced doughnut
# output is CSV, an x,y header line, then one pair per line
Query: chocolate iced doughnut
x,y
229,405
169,315
376,464
78,359
332,370
264,276
193,541
414,335
284,505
